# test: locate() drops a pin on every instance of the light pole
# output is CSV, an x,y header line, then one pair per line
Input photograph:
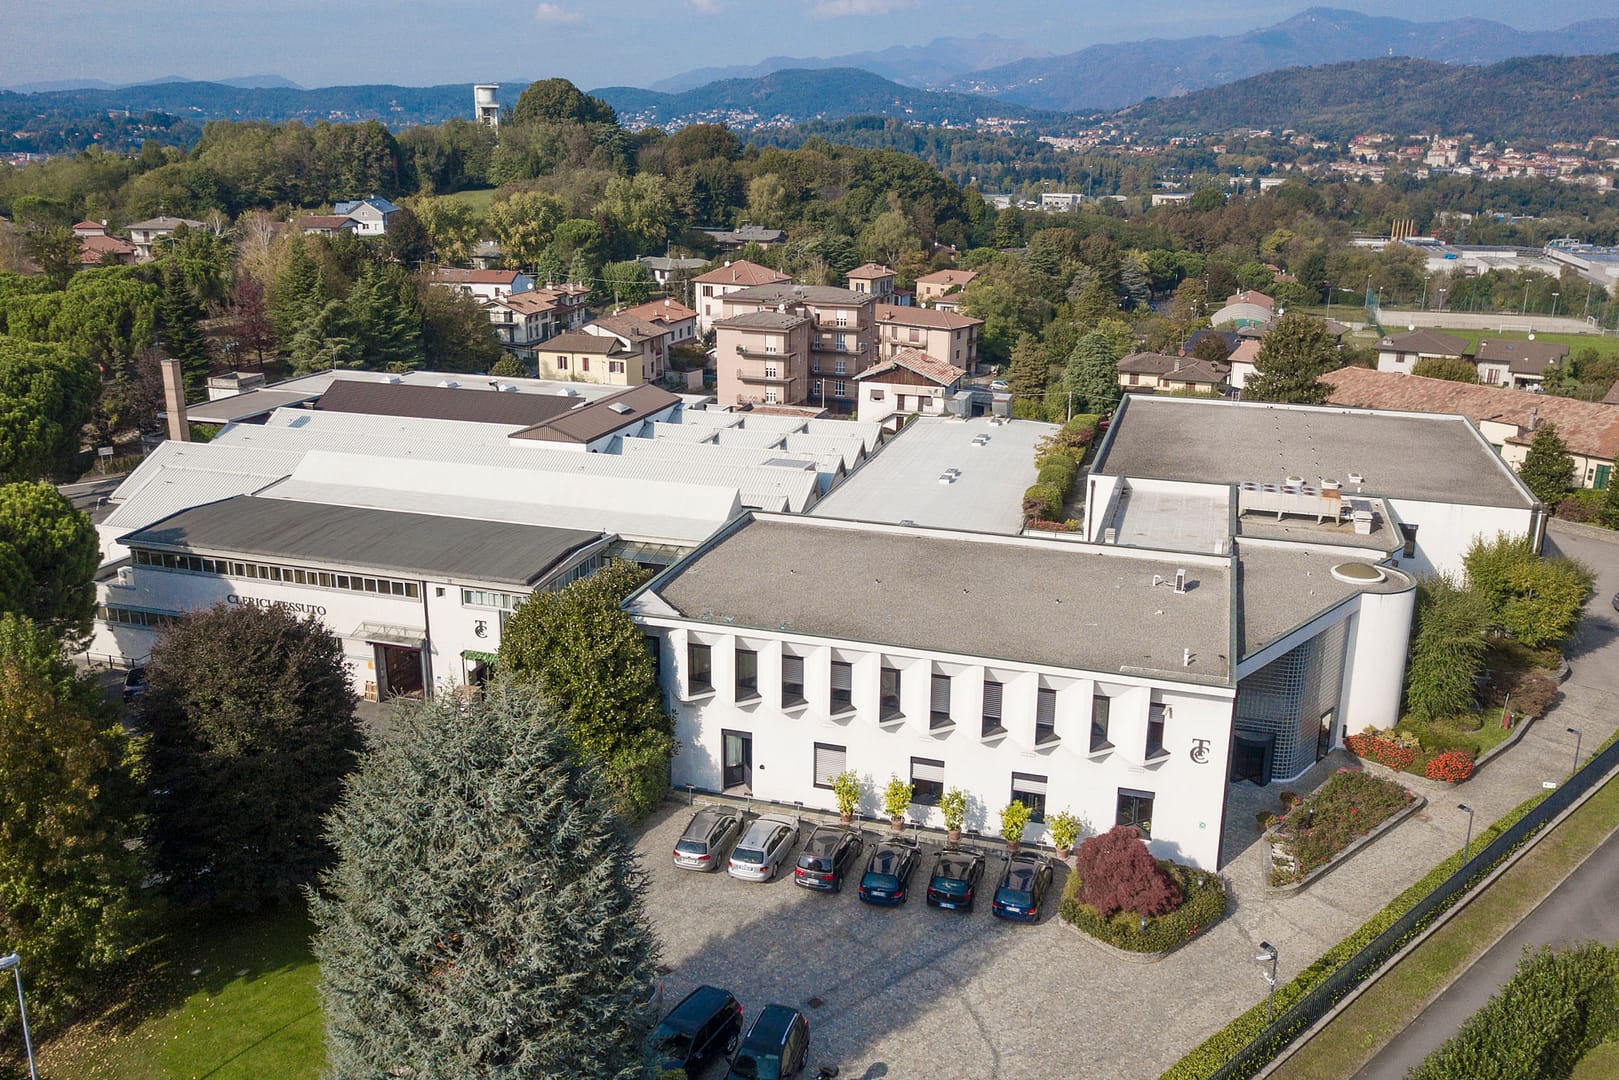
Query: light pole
x,y
1574,732
1555,295
13,963
1267,954
1467,845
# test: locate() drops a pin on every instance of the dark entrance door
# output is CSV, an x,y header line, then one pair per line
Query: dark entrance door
x,y
1251,758
1323,738
401,671
738,752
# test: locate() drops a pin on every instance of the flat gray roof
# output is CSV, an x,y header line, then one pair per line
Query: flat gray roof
x,y
393,541
1285,587
1062,605
900,482
243,406
1423,457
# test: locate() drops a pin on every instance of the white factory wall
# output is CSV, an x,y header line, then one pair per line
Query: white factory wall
x,y
1446,530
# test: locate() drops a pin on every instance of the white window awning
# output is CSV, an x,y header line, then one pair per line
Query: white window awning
x,y
378,634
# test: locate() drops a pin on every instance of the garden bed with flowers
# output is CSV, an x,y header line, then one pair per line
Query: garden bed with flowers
x,y
1121,896
1332,822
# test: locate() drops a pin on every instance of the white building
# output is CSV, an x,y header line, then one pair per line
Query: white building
x,y
1123,685
722,281
909,382
370,215
484,284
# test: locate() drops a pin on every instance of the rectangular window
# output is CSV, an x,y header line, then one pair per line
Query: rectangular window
x,y
829,762
1100,707
747,674
842,686
584,364
840,368
916,335
840,389
1408,531
927,781
888,695
772,371
842,318
656,653
840,342
1030,790
992,709
876,395
792,681
1045,716
1135,808
615,367
562,363
939,711
1155,731
770,396
699,668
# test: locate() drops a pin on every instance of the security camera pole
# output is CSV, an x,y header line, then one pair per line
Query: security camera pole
x,y
13,964
1267,953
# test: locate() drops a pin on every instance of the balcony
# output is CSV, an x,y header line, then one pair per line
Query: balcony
x,y
744,375
757,354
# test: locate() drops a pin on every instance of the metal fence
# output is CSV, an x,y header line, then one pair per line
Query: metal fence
x,y
1320,1000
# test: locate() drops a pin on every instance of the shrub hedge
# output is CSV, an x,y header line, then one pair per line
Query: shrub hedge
x,y
1219,1048
1556,1007
1204,904
1045,500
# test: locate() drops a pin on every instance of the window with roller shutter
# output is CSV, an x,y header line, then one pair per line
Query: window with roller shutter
x,y
842,699
992,709
1045,716
927,781
747,674
939,711
888,695
1030,790
830,761
792,681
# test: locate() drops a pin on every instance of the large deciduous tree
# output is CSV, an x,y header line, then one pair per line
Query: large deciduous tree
x,y
551,101
252,725
525,225
46,395
48,557
1292,358
591,663
456,333
70,818
1547,469
486,913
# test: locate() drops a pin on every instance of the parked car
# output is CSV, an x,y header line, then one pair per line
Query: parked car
x,y
134,684
999,384
710,829
776,1048
888,872
954,881
1023,887
762,851
707,1021
828,854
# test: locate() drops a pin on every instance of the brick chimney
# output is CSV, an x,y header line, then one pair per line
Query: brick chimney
x,y
174,401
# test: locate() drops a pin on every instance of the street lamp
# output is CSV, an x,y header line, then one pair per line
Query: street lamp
x,y
1577,736
1555,295
1267,954
1467,845
13,963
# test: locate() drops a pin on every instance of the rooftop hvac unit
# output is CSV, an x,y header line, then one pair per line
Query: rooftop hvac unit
x,y
1180,580
506,388
126,575
567,391
1110,535
449,384
393,380
619,407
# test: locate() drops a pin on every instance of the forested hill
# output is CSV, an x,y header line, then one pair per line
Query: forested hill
x,y
1539,98
786,97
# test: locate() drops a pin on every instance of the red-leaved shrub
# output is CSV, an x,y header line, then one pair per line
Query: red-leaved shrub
x,y
1453,766
1382,751
1118,873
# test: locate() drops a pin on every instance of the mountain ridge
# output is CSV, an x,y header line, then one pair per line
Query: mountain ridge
x,y
919,66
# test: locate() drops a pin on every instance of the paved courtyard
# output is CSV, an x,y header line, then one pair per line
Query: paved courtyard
x,y
914,992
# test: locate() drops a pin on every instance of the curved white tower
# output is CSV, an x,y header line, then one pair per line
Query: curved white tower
x,y
485,109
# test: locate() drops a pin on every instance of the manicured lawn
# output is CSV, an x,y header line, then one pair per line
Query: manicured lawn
x,y
1393,1002
1599,1063
230,998
1606,345
478,201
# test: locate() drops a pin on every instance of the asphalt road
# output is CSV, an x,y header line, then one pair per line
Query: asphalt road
x,y
1582,909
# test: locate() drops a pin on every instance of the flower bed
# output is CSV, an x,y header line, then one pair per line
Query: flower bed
x,y
1203,905
1344,809
1452,766
1381,750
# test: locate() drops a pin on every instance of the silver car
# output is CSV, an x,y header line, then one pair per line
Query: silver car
x,y
703,842
764,849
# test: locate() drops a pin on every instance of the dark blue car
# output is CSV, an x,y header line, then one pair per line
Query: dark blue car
x,y
706,1024
888,872
1023,887
776,1048
954,881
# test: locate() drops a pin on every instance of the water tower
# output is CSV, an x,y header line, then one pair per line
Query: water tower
x,y
485,109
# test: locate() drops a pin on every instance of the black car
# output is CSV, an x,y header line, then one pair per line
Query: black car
x,y
776,1048
827,856
703,842
707,1021
954,881
1023,887
888,872
134,684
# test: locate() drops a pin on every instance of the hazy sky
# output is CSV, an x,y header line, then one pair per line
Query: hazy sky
x,y
600,42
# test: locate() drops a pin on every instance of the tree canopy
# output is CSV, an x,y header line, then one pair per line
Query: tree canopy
x,y
48,557
551,101
1293,356
486,912
46,394
1547,469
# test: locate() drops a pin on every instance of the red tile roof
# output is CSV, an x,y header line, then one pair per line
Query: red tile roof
x,y
457,276
870,270
661,311
1187,369
741,272
931,318
920,362
948,278
93,248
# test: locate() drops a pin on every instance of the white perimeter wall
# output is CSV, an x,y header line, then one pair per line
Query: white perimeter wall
x,y
1188,794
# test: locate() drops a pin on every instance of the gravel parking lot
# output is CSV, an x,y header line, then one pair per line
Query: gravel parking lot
x,y
889,992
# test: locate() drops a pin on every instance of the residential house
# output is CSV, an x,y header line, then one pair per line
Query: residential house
x,y
678,319
486,255
1507,418
910,382
372,214
143,234
523,320
740,237
1242,361
578,356
873,278
762,357
97,247
1517,364
1401,352
720,282
648,339
667,269
943,335
484,284
843,344
326,224
931,288
1157,372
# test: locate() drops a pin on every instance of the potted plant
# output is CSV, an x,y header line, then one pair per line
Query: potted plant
x,y
1014,818
846,789
1064,828
953,804
896,800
